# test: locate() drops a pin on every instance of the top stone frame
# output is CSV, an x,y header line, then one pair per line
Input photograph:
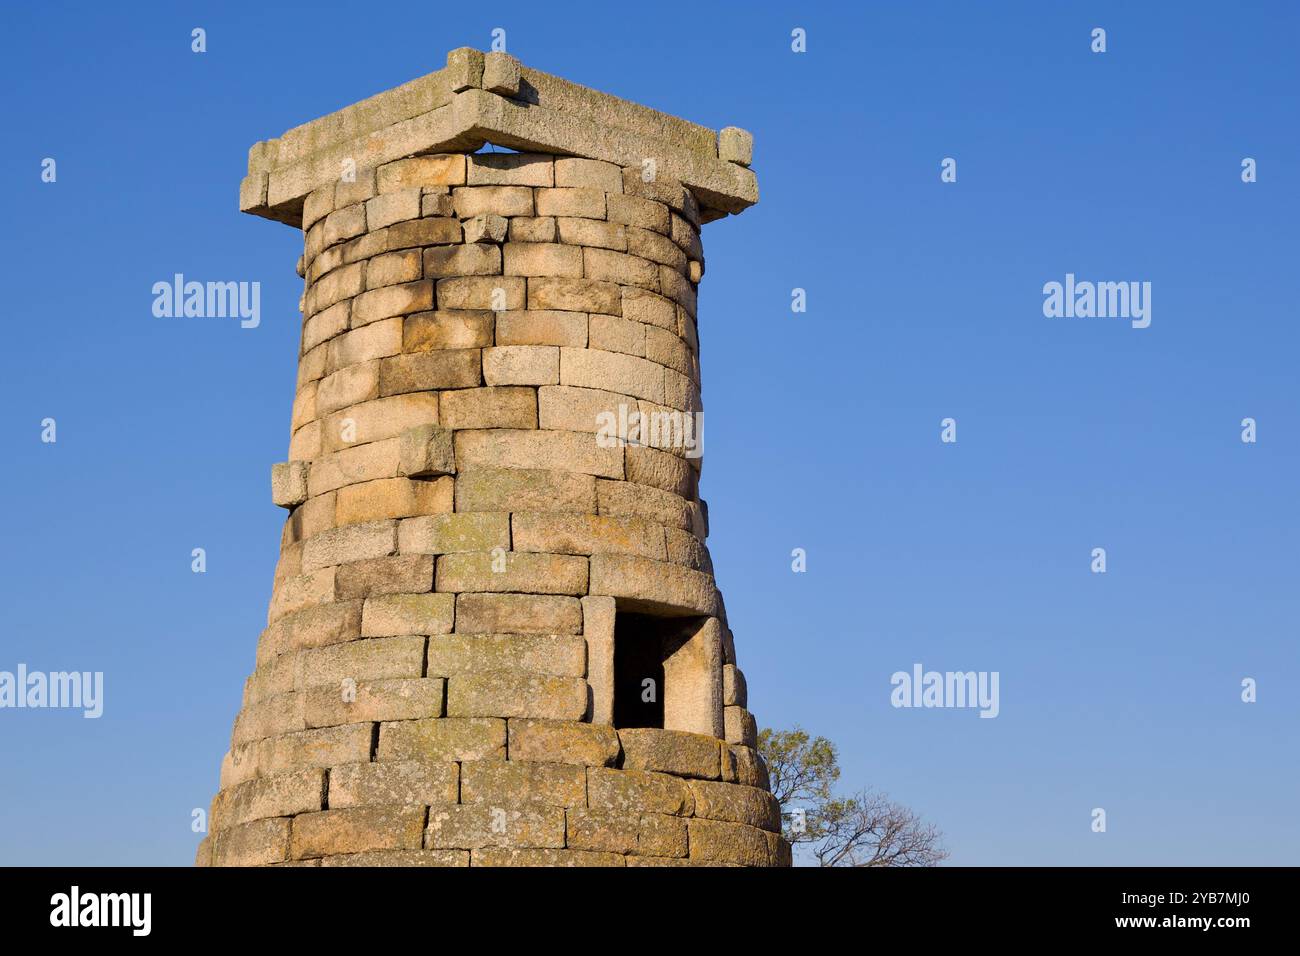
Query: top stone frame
x,y
482,98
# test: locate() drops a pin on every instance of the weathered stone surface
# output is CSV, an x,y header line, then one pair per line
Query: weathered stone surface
x,y
378,420
562,655
751,771
588,174
494,293
356,830
444,170
447,329
537,449
637,790
281,795
508,169
653,586
590,368
598,619
470,201
512,783
741,728
426,451
735,145
670,751
486,228
721,842
397,782
471,826
736,804
289,483
512,694
517,614
523,489
351,701
450,533
397,614
521,365
586,534
388,498
421,371
372,539
444,739
648,834
402,858
314,627
734,689
385,657
511,572
574,295
252,844
510,856
562,742
491,407
398,574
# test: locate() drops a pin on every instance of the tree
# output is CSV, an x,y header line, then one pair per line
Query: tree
x,y
865,829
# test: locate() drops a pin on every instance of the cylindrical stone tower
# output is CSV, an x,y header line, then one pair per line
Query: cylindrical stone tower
x,y
494,636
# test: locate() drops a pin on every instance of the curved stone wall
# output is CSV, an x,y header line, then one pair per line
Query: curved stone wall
x,y
473,516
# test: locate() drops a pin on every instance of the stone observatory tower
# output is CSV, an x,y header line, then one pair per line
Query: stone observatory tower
x,y
494,636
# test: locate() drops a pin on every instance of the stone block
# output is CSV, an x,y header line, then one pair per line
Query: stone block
x,y
423,371
510,783
470,201
558,533
537,449
372,539
633,791
388,498
280,795
735,145
588,174
378,659
289,483
562,741
734,803
357,829
423,171
544,327
591,368
391,300
500,75
491,407
521,365
394,782
511,694
352,701
485,228
443,740
450,533
426,451
532,229
578,203
493,293
510,169
653,586
574,295
670,751
518,573
559,655
517,614
473,826
447,329
718,842
256,843
516,489
398,614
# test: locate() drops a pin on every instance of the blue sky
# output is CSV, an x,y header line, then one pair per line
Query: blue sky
x,y
1119,691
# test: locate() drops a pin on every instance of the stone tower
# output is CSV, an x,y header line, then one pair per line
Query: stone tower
x,y
494,636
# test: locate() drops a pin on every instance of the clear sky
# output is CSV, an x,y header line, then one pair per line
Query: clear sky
x,y
925,301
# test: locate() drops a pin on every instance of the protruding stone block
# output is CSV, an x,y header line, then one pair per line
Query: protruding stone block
x,y
426,451
735,145
289,483
501,74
